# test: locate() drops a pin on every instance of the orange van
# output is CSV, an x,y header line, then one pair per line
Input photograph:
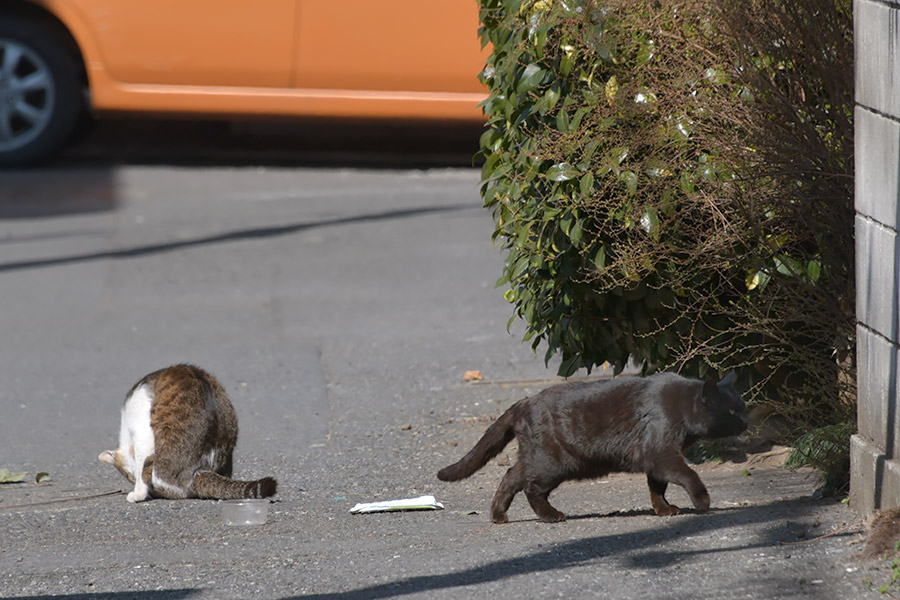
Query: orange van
x,y
409,59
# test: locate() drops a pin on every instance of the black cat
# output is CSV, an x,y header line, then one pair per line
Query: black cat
x,y
583,430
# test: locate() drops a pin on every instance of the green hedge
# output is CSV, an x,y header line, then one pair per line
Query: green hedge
x,y
672,182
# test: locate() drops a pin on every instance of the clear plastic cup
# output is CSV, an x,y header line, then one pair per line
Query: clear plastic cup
x,y
245,512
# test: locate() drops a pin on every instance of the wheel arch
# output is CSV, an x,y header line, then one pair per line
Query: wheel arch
x,y
59,20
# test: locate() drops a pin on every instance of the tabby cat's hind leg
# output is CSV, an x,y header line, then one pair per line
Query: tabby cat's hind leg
x,y
512,484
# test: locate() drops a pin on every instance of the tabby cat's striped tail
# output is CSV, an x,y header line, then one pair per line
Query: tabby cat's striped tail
x,y
209,484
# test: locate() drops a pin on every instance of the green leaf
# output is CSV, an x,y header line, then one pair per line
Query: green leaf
x,y
540,38
566,63
531,78
575,122
650,223
630,179
487,170
586,184
757,278
562,172
566,221
551,96
491,139
569,366
524,235
618,154
687,184
814,270
42,476
518,268
577,232
708,172
787,265
715,76
599,259
562,121
7,477
646,52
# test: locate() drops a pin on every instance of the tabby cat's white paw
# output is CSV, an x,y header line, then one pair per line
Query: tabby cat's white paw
x,y
136,497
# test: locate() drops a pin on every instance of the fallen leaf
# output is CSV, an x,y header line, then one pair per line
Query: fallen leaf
x,y
406,427
472,376
7,477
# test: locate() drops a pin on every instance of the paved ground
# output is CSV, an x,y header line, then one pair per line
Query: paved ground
x,y
341,308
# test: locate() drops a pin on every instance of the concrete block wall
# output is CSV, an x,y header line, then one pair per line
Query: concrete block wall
x,y
875,450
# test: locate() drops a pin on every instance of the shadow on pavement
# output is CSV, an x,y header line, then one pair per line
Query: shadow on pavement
x,y
143,595
296,143
34,193
220,238
82,179
638,547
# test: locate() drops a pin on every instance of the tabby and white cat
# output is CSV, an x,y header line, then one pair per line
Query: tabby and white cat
x,y
176,439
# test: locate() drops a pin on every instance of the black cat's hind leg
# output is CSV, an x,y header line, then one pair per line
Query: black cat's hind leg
x,y
658,497
537,494
512,484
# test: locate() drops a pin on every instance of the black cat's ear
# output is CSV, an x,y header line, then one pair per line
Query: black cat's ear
x,y
729,379
710,388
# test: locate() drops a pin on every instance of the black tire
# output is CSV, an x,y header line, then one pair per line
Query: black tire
x,y
40,92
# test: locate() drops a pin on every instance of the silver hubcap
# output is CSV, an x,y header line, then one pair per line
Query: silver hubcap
x,y
26,95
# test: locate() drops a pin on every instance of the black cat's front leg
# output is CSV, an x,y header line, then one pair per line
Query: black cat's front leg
x,y
674,469
658,497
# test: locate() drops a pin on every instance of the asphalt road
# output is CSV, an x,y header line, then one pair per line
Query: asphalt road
x,y
340,307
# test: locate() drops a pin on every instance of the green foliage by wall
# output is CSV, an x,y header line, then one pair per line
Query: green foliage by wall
x,y
672,183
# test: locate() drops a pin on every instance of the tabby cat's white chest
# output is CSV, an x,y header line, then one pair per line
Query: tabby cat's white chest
x,y
136,438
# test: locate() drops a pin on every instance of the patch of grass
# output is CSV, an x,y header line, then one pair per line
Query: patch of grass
x,y
826,449
894,566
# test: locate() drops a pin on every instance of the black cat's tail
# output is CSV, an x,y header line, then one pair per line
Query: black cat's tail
x,y
498,435
209,484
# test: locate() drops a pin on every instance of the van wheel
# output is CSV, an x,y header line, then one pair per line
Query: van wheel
x,y
40,95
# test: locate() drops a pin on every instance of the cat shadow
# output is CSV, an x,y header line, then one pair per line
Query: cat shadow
x,y
616,513
647,512
640,549
594,515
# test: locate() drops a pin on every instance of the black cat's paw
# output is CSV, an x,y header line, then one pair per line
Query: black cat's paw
x,y
701,503
499,518
552,517
669,510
